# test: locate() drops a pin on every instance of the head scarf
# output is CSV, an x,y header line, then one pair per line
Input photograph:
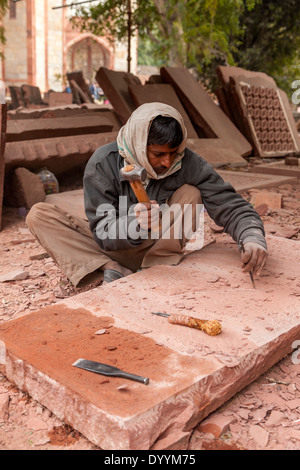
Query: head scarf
x,y
132,137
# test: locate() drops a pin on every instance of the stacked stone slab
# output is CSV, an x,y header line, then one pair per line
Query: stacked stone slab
x,y
17,98
32,129
208,119
32,95
163,93
115,87
57,98
80,90
205,122
59,155
61,139
260,109
27,96
70,110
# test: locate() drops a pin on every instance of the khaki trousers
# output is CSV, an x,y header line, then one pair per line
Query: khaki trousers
x,y
70,243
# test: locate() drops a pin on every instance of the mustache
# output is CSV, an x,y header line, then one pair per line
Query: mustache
x,y
158,168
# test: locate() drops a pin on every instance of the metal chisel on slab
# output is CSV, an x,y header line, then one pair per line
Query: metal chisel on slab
x,y
106,369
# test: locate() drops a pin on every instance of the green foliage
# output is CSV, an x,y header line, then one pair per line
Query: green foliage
x,y
259,35
3,9
272,40
110,18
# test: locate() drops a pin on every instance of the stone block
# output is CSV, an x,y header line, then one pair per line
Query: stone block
x,y
59,99
28,129
78,78
81,96
191,374
266,117
17,98
59,155
272,199
208,119
225,96
72,201
224,72
216,424
293,161
26,189
32,95
243,180
163,93
217,152
115,86
277,168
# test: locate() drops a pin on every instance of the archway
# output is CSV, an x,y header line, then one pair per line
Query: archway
x,y
87,55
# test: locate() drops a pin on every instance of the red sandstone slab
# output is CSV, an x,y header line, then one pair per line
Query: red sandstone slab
x,y
206,116
224,73
242,180
59,155
57,111
72,201
191,374
56,98
225,96
28,129
115,86
217,152
163,93
32,95
277,168
80,83
266,116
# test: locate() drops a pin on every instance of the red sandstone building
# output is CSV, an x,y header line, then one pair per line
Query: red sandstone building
x,y
42,46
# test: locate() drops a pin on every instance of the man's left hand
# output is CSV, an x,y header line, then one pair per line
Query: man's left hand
x,y
254,258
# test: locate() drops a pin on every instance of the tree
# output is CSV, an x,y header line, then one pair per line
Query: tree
x,y
271,41
3,9
178,29
261,35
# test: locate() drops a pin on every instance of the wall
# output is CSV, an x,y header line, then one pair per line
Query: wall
x,y
39,42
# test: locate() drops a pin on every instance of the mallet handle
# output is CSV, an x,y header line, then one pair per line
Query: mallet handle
x,y
139,191
211,327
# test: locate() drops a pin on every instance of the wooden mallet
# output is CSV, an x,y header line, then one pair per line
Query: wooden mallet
x,y
136,175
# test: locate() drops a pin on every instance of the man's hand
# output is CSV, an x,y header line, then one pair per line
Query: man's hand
x,y
254,258
147,215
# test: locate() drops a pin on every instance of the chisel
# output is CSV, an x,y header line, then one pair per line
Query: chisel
x,y
250,272
111,371
211,327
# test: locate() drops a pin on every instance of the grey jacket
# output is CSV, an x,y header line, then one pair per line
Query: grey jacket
x,y
103,184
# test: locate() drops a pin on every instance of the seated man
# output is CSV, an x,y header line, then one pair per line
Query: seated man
x,y
154,138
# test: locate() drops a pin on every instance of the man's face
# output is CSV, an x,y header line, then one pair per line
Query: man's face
x,y
161,157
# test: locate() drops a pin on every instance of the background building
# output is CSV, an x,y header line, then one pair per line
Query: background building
x,y
42,46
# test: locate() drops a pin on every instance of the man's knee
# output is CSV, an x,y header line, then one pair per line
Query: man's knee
x,y
36,213
186,194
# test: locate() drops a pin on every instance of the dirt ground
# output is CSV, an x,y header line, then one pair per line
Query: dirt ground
x,y
265,415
